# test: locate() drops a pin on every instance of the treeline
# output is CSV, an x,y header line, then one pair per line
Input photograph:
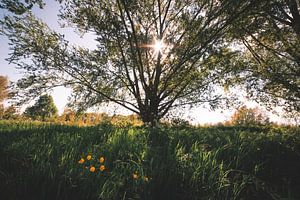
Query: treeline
x,y
83,118
71,117
45,110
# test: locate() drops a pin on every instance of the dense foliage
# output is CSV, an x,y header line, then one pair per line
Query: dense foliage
x,y
271,35
44,161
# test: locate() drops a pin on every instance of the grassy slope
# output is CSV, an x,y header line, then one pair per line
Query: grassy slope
x,y
40,161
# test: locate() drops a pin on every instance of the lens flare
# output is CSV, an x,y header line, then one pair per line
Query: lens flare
x,y
158,45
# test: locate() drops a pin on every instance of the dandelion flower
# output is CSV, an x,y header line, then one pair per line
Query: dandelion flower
x,y
135,176
102,160
81,161
92,169
102,168
89,157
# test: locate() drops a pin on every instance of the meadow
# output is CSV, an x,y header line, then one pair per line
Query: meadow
x,y
52,161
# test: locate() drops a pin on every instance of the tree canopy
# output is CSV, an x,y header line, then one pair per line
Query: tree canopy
x,y
271,35
151,56
20,7
43,109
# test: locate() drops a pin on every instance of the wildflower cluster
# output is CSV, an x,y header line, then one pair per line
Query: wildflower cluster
x,y
93,164
88,163
136,176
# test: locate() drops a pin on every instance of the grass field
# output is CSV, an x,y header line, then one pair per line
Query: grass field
x,y
48,161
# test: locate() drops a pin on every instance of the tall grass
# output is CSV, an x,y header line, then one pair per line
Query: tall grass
x,y
40,161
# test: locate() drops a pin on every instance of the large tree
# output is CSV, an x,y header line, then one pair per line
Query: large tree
x,y
271,35
151,56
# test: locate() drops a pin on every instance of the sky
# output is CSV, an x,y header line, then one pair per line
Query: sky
x,y
198,115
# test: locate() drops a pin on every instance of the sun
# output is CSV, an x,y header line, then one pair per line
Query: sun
x,y
158,45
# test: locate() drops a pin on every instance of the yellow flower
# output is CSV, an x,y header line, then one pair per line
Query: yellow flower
x,y
146,178
135,176
102,168
92,169
101,160
81,161
89,157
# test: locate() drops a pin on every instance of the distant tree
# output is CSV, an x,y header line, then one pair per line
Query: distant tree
x,y
151,56
3,88
82,118
178,122
10,113
43,109
68,115
248,116
2,110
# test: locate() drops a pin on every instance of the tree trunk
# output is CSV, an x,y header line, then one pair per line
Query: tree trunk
x,y
149,116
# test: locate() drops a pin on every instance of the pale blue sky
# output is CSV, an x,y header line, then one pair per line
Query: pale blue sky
x,y
60,95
